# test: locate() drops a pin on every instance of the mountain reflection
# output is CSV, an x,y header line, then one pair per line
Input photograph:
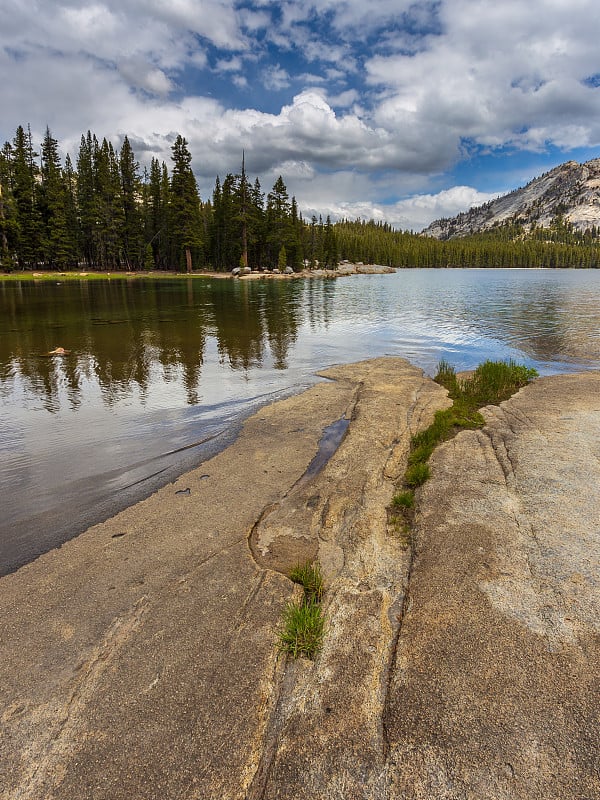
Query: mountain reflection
x,y
124,335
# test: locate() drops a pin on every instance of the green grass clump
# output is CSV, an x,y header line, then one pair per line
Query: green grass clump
x,y
309,576
492,382
446,375
302,629
404,500
416,475
303,623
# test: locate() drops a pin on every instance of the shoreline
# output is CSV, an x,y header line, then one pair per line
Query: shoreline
x,y
344,270
139,659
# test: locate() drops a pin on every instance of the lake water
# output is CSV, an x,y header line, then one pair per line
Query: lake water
x,y
162,372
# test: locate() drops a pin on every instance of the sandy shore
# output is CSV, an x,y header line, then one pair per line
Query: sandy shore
x,y
139,659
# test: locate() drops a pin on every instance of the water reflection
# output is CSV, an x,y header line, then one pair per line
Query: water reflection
x,y
121,333
161,371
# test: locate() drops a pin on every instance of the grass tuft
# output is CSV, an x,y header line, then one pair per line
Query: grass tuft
x,y
302,629
309,576
303,622
416,475
492,382
404,500
446,375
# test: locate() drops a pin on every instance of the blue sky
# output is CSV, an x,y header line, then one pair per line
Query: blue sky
x,y
387,109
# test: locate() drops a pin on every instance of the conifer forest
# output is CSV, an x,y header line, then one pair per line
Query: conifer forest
x,y
104,212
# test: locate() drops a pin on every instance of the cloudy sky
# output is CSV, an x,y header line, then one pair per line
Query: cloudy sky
x,y
397,110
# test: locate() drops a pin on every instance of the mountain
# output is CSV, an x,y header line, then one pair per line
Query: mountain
x,y
569,192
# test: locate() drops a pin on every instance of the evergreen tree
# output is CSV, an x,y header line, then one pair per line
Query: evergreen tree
x,y
72,222
330,250
8,212
86,197
25,174
57,241
108,207
133,250
278,220
185,207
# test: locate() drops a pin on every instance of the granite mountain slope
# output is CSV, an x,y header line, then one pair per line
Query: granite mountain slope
x,y
569,192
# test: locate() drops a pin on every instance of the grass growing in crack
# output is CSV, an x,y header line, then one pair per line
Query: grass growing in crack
x,y
404,500
302,629
309,576
416,475
490,384
303,622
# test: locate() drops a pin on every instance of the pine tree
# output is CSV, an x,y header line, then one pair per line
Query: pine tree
x,y
278,220
330,251
244,195
108,207
133,250
25,174
185,207
8,212
86,197
57,242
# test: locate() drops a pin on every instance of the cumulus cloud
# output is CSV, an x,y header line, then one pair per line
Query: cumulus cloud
x,y
436,80
275,78
412,213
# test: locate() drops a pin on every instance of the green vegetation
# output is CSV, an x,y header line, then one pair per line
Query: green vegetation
x,y
309,576
416,475
303,622
490,384
404,500
106,213
302,629
508,245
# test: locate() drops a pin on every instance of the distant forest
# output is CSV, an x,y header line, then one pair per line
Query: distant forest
x,y
107,213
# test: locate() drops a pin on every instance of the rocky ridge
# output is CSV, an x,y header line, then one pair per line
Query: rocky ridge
x,y
570,191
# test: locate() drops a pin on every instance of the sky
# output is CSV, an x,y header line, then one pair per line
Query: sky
x,y
384,109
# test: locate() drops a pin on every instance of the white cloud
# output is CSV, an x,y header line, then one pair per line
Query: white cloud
x,y
353,196
344,99
143,76
233,64
275,78
465,75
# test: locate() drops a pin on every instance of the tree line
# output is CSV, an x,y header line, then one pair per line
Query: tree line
x,y
105,212
506,245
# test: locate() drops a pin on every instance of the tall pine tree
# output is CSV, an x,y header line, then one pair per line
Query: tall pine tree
x,y
185,207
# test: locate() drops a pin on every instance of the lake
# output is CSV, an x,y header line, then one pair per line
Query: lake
x,y
161,373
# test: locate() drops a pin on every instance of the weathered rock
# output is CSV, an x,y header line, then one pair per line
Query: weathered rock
x,y
139,660
327,732
495,686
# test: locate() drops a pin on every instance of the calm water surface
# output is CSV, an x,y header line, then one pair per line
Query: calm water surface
x,y
161,373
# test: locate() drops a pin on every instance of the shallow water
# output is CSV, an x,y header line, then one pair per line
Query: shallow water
x,y
161,373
